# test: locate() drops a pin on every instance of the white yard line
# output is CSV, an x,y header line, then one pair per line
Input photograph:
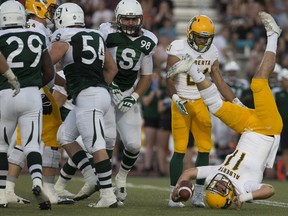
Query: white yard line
x,y
259,202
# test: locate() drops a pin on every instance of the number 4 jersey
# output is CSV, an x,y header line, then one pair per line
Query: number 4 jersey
x,y
23,49
129,53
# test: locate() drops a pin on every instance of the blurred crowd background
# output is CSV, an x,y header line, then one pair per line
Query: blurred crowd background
x,y
240,39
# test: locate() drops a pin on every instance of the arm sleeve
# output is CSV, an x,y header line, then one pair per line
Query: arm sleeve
x,y
204,171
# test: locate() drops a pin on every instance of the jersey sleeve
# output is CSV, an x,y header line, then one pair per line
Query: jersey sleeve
x,y
104,29
205,171
61,35
176,48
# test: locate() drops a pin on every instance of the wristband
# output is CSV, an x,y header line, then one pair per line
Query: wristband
x,y
9,74
135,95
245,197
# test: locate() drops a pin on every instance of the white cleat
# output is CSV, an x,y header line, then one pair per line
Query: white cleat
x,y
3,200
198,199
64,193
173,204
120,190
86,191
107,200
41,197
269,23
13,198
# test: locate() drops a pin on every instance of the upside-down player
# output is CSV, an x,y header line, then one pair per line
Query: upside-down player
x,y
239,177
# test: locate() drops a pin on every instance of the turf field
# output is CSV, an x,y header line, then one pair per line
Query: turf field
x,y
146,196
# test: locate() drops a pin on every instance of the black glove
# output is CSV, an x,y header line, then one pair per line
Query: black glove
x,y
46,105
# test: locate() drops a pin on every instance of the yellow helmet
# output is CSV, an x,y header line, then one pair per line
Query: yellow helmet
x,y
200,26
41,8
219,192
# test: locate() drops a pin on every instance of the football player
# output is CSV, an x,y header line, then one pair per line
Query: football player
x,y
238,179
189,113
26,53
40,14
89,68
132,48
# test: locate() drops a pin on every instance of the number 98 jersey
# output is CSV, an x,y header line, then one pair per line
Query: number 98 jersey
x,y
23,50
130,54
84,60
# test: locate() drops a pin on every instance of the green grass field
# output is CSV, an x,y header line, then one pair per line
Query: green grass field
x,y
146,196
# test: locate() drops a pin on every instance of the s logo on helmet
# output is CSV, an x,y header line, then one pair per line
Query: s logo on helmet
x,y
58,13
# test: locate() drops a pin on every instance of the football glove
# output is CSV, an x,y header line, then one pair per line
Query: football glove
x,y
116,93
13,81
128,102
15,85
180,104
46,105
182,66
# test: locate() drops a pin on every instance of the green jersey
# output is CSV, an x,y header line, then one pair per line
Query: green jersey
x,y
83,62
128,53
23,50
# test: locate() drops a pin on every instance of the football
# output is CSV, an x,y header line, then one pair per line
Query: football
x,y
185,191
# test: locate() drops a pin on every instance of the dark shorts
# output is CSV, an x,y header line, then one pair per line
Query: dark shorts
x,y
165,124
154,123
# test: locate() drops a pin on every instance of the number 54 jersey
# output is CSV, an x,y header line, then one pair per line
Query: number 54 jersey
x,y
84,60
129,53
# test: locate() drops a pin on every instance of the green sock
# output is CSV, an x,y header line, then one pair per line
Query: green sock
x,y
202,160
176,167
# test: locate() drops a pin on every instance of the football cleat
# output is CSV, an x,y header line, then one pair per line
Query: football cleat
x,y
173,204
65,201
13,198
182,66
269,24
41,197
107,199
120,190
86,191
64,193
198,199
3,201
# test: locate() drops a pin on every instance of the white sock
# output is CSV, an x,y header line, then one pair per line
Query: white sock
x,y
272,43
10,186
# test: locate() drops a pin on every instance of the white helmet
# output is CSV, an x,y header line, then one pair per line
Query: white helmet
x,y
12,14
69,14
277,69
129,9
231,66
283,74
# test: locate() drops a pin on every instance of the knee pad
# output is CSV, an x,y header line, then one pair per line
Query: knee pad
x,y
17,156
133,148
51,157
63,137
212,98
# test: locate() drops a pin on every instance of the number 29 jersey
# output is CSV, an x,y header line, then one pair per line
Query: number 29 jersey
x,y
84,60
23,49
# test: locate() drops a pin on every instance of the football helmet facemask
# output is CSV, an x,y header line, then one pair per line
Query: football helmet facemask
x,y
43,9
219,192
12,14
129,9
203,27
69,14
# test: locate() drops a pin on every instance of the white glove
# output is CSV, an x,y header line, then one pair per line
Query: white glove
x,y
180,104
116,93
13,81
182,66
128,102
